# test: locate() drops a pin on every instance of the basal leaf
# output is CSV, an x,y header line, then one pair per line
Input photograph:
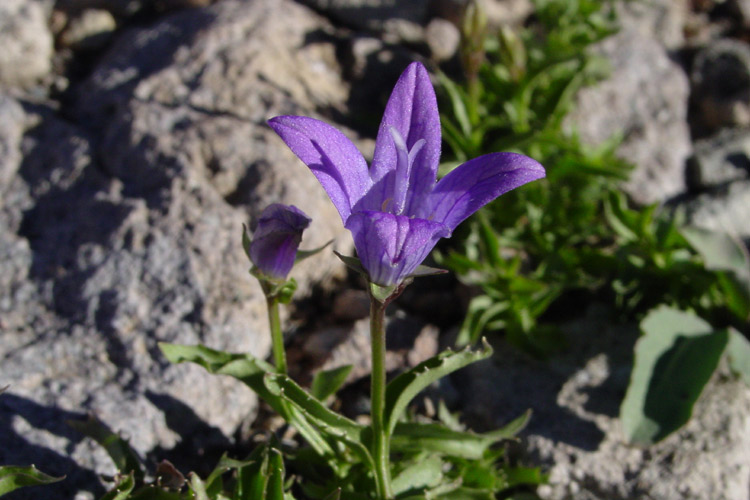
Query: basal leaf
x,y
402,389
14,477
425,473
326,383
251,371
275,476
674,359
122,490
330,423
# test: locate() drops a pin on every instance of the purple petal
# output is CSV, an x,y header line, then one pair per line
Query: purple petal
x,y
391,247
276,239
412,111
334,159
470,186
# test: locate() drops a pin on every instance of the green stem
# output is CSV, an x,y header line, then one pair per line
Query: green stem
x,y
277,336
381,441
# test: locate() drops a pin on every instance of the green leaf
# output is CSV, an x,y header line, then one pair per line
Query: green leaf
x,y
13,477
198,487
304,254
330,422
431,437
738,351
122,489
425,473
275,489
251,371
253,476
119,450
719,250
674,359
325,383
402,389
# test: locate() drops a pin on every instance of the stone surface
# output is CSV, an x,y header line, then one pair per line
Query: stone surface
x,y
91,29
409,343
720,80
663,20
645,99
123,230
26,43
574,432
442,38
719,160
724,209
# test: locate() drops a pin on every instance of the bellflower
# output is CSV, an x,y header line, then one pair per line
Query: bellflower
x,y
394,209
276,239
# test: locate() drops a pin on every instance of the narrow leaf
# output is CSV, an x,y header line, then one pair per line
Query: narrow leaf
x,y
327,382
122,489
418,476
14,477
402,389
251,371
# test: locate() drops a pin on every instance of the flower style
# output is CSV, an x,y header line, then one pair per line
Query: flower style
x,y
395,209
276,239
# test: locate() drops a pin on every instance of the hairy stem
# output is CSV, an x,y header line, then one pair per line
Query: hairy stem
x,y
381,441
277,336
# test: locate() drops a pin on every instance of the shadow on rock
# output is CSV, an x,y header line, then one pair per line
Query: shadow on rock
x,y
16,413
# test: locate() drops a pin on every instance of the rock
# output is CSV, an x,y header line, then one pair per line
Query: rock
x,y
125,232
26,43
442,38
409,343
742,9
575,433
372,15
722,209
351,305
644,99
91,29
719,160
663,20
507,12
720,80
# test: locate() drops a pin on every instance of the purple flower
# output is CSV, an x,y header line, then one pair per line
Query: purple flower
x,y
395,209
275,240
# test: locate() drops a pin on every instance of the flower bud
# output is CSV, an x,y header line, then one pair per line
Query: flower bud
x,y
276,238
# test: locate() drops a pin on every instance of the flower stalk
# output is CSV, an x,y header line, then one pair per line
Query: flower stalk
x,y
381,440
277,336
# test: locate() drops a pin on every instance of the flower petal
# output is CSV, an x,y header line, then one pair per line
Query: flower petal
x,y
391,247
276,239
332,157
470,186
412,111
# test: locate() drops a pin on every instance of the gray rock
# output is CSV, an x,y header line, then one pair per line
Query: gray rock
x,y
719,160
26,43
91,29
645,99
372,15
125,232
575,433
507,12
663,20
720,80
409,343
723,209
442,38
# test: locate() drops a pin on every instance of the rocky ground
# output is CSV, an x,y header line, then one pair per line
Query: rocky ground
x,y
133,146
